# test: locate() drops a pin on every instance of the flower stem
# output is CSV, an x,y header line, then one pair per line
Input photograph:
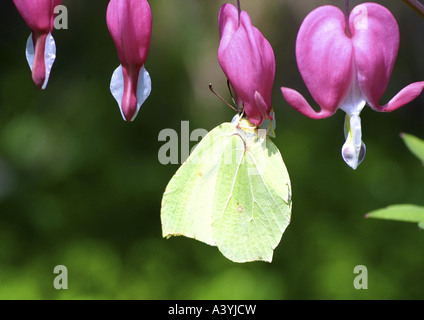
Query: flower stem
x,y
239,11
347,11
416,5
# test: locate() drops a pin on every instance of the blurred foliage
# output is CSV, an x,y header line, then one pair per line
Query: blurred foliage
x,y
415,145
400,212
405,212
81,188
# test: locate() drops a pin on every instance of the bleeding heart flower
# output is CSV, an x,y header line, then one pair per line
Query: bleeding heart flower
x,y
130,25
41,49
248,61
346,63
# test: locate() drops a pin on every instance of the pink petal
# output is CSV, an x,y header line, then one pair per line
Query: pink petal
x,y
248,61
228,24
130,25
266,61
263,109
38,14
129,98
375,35
405,96
39,65
325,59
298,102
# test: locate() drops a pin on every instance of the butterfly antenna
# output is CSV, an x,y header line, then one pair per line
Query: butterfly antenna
x,y
222,99
231,92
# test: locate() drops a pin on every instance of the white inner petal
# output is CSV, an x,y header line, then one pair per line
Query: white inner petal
x,y
353,150
29,51
144,87
355,130
49,55
354,101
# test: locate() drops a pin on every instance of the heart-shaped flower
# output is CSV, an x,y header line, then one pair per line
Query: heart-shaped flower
x,y
248,61
130,25
346,63
41,49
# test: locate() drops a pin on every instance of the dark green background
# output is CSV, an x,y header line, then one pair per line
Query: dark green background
x,y
82,188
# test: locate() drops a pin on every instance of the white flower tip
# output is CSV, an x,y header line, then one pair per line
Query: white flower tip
x,y
353,155
144,87
49,57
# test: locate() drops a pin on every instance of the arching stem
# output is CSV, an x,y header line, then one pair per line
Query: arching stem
x,y
416,5
239,11
347,12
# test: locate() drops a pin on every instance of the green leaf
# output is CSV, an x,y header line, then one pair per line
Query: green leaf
x,y
232,192
415,145
400,212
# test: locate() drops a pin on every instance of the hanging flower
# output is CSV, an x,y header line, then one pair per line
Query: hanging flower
x,y
346,63
248,61
41,49
130,25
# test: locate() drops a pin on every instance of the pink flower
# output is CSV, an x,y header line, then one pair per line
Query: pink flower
x,y
248,61
346,65
41,49
130,25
